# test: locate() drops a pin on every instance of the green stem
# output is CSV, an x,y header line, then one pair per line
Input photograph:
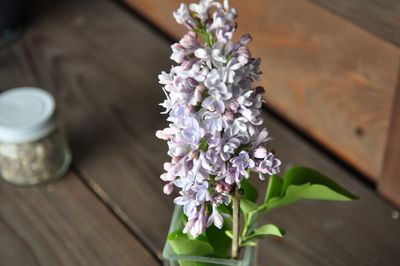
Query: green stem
x,y
235,224
206,36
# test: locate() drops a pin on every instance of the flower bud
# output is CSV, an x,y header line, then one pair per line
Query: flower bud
x,y
168,188
162,135
167,166
234,106
245,39
228,116
219,188
260,153
260,90
164,177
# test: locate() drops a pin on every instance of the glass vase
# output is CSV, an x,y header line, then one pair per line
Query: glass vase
x,y
248,258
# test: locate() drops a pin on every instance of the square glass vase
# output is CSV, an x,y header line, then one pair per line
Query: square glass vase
x,y
248,258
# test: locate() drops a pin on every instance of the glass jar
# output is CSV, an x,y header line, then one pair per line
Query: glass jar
x,y
33,146
172,259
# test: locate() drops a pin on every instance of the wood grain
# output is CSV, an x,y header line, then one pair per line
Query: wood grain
x,y
381,17
390,184
323,233
331,78
95,74
103,74
63,223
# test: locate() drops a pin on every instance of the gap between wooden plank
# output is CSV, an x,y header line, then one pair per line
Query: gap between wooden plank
x,y
115,210
380,17
390,184
63,223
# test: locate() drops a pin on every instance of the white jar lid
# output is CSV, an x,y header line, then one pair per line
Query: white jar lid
x,y
26,114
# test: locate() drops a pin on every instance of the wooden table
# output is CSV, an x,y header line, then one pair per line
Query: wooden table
x,y
101,64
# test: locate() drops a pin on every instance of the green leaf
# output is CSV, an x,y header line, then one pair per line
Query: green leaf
x,y
249,191
305,183
265,230
218,239
274,188
303,175
247,206
298,183
182,245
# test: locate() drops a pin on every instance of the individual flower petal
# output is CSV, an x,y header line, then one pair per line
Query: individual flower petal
x,y
182,16
260,153
201,53
215,218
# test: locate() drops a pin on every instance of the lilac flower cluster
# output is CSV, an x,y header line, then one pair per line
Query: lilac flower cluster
x,y
215,136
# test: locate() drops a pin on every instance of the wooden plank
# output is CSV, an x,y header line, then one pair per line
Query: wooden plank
x,y
81,58
332,79
104,78
322,233
390,184
381,17
63,223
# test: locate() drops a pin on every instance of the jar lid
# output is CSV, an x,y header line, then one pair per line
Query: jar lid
x,y
26,114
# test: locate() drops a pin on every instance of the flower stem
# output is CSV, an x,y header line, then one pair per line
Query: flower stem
x,y
235,224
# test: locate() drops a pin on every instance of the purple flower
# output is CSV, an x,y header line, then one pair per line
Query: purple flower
x,y
241,51
229,147
270,165
202,193
261,137
190,41
215,136
182,16
167,104
201,167
186,183
198,224
239,126
260,153
215,218
201,223
166,79
242,163
168,188
232,175
188,202
214,121
193,132
223,23
213,103
230,71
201,9
178,53
186,47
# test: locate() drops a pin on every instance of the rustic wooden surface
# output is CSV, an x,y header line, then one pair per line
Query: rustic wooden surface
x,y
381,17
333,79
63,223
391,170
101,64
